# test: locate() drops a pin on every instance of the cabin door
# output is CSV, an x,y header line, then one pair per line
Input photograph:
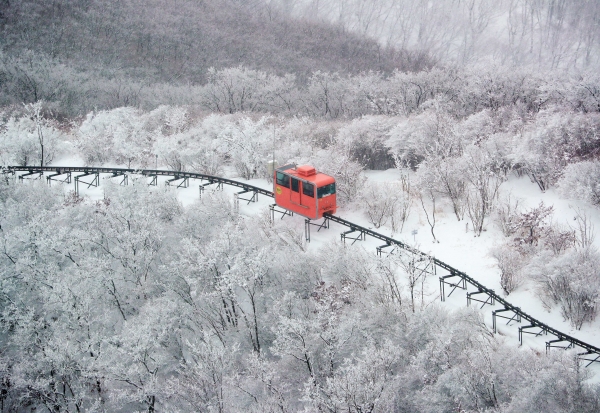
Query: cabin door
x,y
295,191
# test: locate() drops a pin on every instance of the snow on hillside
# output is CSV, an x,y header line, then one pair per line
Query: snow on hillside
x,y
457,246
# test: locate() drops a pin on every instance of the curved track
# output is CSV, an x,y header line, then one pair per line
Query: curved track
x,y
590,353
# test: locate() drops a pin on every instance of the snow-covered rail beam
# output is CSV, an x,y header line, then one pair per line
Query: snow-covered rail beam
x,y
591,353
590,350
60,170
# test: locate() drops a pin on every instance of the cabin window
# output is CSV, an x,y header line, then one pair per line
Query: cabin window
x,y
295,185
308,189
283,179
326,190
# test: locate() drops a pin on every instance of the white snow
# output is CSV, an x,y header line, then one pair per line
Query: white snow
x,y
457,246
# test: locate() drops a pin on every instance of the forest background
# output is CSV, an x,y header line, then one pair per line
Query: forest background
x,y
134,302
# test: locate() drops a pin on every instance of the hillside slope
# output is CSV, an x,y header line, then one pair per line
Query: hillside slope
x,y
173,42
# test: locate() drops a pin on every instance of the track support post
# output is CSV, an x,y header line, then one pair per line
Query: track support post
x,y
348,235
202,187
94,182
65,180
461,283
185,181
30,173
273,209
516,317
489,300
387,245
308,223
522,330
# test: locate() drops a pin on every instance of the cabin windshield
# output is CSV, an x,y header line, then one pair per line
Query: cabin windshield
x,y
326,190
308,189
283,179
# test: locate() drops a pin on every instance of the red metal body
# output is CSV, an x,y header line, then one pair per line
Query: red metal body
x,y
304,191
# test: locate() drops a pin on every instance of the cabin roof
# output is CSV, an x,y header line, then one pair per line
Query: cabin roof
x,y
319,179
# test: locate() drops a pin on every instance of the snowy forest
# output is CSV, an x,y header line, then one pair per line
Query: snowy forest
x,y
137,301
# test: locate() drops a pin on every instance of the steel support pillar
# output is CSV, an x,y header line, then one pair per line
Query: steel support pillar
x,y
237,198
489,300
125,179
183,184
535,333
66,180
382,247
516,317
202,187
346,235
39,173
555,344
308,223
95,182
273,209
591,360
461,283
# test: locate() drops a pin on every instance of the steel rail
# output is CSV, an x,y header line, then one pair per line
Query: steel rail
x,y
145,172
352,226
470,280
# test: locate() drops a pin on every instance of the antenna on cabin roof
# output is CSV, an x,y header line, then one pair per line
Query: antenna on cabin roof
x,y
272,164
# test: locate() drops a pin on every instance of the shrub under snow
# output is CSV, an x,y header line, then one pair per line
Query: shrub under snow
x,y
581,180
571,280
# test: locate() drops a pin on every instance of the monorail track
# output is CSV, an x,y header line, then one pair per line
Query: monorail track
x,y
463,281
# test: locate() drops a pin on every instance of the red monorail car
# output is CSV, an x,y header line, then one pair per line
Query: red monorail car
x,y
304,191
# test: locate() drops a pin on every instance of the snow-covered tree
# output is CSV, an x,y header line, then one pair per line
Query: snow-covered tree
x,y
117,135
571,280
248,143
484,176
31,139
581,180
384,202
510,263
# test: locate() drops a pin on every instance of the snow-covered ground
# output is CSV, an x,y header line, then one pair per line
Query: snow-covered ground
x,y
457,246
